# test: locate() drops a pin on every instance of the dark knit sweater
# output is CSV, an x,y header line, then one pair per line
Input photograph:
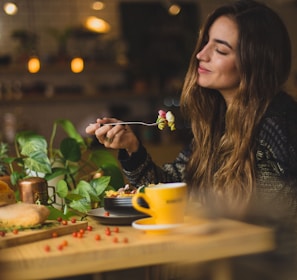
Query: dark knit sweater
x,y
276,159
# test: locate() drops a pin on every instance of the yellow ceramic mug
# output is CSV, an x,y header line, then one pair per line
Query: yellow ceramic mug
x,y
166,201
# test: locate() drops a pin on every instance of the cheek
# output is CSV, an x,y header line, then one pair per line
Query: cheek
x,y
230,72
235,75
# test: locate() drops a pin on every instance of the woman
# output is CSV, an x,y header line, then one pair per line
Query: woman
x,y
244,125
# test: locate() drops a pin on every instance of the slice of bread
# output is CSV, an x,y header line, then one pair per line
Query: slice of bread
x,y
7,195
23,215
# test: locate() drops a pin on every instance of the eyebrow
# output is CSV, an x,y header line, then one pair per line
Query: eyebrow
x,y
223,42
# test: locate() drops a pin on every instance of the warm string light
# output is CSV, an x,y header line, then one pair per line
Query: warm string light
x,y
77,65
10,8
174,9
33,64
97,25
92,23
98,5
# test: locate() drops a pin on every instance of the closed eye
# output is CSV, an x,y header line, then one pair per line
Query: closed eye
x,y
221,52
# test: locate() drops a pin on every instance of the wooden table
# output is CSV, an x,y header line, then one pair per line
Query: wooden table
x,y
132,248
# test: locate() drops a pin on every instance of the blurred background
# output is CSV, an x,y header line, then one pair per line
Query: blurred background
x,y
83,59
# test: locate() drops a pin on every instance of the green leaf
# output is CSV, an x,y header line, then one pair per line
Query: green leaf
x,y
141,189
105,160
103,157
17,195
74,196
101,197
9,160
34,145
116,175
100,184
56,213
65,209
73,167
82,205
86,190
24,137
16,176
70,149
62,189
38,162
56,172
70,129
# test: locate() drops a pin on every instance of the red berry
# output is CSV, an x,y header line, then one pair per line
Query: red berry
x,y
89,228
54,234
74,234
115,240
60,247
59,219
73,220
65,243
116,229
82,231
125,240
80,235
2,233
15,231
107,232
64,222
106,214
47,248
97,237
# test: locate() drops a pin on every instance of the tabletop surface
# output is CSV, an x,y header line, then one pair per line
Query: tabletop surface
x,y
107,248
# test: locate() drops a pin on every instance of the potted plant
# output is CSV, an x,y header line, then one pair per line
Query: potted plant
x,y
85,173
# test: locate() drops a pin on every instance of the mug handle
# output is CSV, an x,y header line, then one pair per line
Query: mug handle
x,y
140,208
53,197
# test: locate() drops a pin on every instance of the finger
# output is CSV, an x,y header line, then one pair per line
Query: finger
x,y
91,128
107,120
101,134
109,140
110,135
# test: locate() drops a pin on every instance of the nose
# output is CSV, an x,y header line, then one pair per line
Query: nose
x,y
202,54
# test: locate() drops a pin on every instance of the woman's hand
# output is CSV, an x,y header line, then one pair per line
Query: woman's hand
x,y
115,136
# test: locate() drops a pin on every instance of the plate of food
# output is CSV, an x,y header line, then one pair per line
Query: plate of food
x,y
118,208
107,218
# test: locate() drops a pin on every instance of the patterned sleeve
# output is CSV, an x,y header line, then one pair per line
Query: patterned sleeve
x,y
276,166
140,169
277,143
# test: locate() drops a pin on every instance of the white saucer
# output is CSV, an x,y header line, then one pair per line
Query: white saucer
x,y
148,225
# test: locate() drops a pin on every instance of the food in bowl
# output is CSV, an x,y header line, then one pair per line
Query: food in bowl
x,y
127,191
120,202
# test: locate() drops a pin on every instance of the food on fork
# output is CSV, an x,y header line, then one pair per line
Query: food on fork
x,y
166,119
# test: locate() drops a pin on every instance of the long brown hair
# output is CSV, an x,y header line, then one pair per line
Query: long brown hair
x,y
222,164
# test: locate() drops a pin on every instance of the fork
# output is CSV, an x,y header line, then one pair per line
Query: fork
x,y
134,123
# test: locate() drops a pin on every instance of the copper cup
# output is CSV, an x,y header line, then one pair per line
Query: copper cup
x,y
34,190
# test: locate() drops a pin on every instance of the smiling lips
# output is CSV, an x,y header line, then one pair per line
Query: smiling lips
x,y
202,70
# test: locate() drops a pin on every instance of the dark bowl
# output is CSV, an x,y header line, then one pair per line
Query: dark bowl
x,y
122,205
